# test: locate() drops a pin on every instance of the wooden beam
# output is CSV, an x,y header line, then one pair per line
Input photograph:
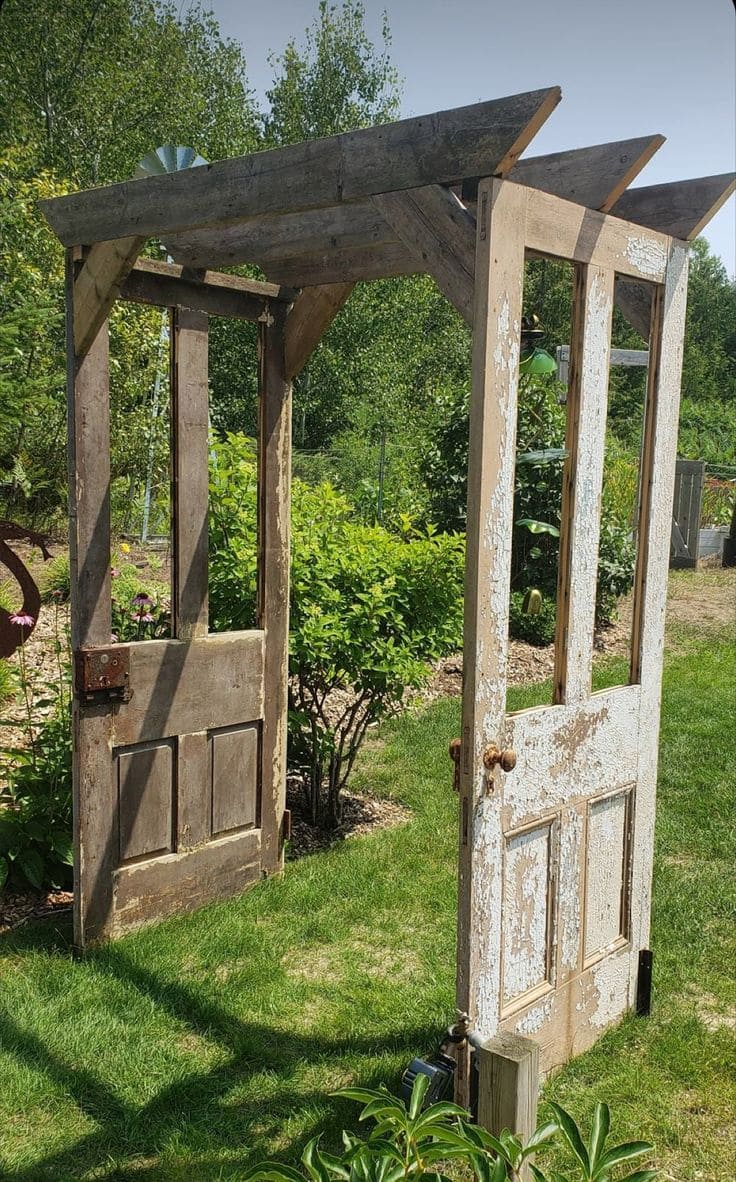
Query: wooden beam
x,y
170,285
97,286
189,463
346,266
679,208
594,176
308,320
508,1086
437,228
440,148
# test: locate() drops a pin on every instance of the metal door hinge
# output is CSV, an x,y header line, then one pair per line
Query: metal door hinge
x,y
102,674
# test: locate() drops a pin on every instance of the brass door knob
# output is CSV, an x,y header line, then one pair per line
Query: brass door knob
x,y
493,757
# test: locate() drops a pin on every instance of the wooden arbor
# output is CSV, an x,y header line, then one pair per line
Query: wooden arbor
x,y
555,857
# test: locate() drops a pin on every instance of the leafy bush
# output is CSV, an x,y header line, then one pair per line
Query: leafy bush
x,y
35,831
7,682
418,1142
369,611
534,628
141,608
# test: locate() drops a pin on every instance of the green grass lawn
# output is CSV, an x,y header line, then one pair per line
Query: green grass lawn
x,y
181,1051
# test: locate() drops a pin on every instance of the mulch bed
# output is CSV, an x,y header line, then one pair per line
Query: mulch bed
x,y
19,907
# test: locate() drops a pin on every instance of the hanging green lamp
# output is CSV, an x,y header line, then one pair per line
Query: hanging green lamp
x,y
534,360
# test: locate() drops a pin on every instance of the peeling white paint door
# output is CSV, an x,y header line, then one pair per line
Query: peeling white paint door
x,y
556,855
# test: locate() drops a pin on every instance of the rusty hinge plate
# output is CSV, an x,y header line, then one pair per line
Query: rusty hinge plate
x,y
102,674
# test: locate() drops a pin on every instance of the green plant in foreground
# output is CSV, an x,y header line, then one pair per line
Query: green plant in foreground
x,y
415,1142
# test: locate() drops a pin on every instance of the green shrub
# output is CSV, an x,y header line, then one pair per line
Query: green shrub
x,y
7,682
539,628
369,611
417,1141
35,831
55,581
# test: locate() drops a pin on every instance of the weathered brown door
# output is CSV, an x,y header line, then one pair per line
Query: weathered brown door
x,y
556,854
179,744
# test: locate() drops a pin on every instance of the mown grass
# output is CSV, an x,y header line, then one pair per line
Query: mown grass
x,y
182,1051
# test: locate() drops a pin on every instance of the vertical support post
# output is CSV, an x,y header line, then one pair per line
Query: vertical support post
x,y
88,419
189,528
659,454
508,1085
499,277
583,482
274,486
190,482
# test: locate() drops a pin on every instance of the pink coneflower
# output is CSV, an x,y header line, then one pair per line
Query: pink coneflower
x,y
114,572
141,617
143,599
22,620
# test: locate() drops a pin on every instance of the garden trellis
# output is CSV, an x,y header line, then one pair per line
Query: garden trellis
x,y
179,763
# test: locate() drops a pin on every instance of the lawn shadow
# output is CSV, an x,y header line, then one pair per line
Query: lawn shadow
x,y
201,1102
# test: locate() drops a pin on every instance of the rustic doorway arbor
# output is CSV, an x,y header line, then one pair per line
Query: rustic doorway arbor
x,y
445,194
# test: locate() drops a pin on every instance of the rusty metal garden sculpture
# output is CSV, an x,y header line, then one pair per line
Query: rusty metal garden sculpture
x,y
16,627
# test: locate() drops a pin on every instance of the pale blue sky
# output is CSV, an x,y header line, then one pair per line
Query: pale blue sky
x,y
626,68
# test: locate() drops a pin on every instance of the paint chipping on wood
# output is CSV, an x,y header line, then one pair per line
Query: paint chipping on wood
x,y
647,254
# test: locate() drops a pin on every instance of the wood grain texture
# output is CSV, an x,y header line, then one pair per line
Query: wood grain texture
x,y
180,686
499,269
594,176
190,473
308,321
274,484
440,148
680,208
436,227
508,1086
650,590
587,402
98,284
172,885
170,285
88,413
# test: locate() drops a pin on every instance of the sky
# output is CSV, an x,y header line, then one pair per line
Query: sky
x,y
626,67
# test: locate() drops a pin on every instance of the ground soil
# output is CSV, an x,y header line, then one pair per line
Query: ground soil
x,y
704,600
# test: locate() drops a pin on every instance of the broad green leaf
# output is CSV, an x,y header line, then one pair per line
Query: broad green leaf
x,y
272,1171
538,527
641,1176
418,1092
626,1152
31,863
598,1133
541,1135
571,1133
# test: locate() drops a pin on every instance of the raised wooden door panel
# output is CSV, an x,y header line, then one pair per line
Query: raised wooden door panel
x,y
556,854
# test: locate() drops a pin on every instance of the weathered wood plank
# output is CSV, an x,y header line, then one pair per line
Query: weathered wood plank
x,y
679,208
190,482
437,228
171,885
440,148
582,483
170,285
274,483
281,236
98,284
88,411
180,686
308,321
491,465
508,1085
594,176
327,267
650,590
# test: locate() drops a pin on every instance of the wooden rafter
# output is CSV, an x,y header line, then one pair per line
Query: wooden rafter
x,y
679,208
358,235
98,284
170,285
440,148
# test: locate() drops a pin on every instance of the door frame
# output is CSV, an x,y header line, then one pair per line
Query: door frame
x,y
513,220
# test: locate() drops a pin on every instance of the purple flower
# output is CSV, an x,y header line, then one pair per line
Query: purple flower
x,y
57,594
114,572
113,638
22,620
142,599
147,618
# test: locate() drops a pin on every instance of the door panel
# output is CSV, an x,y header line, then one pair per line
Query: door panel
x,y
555,855
179,751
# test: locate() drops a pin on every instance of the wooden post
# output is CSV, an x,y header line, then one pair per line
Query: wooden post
x,y
88,409
190,499
508,1085
274,487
